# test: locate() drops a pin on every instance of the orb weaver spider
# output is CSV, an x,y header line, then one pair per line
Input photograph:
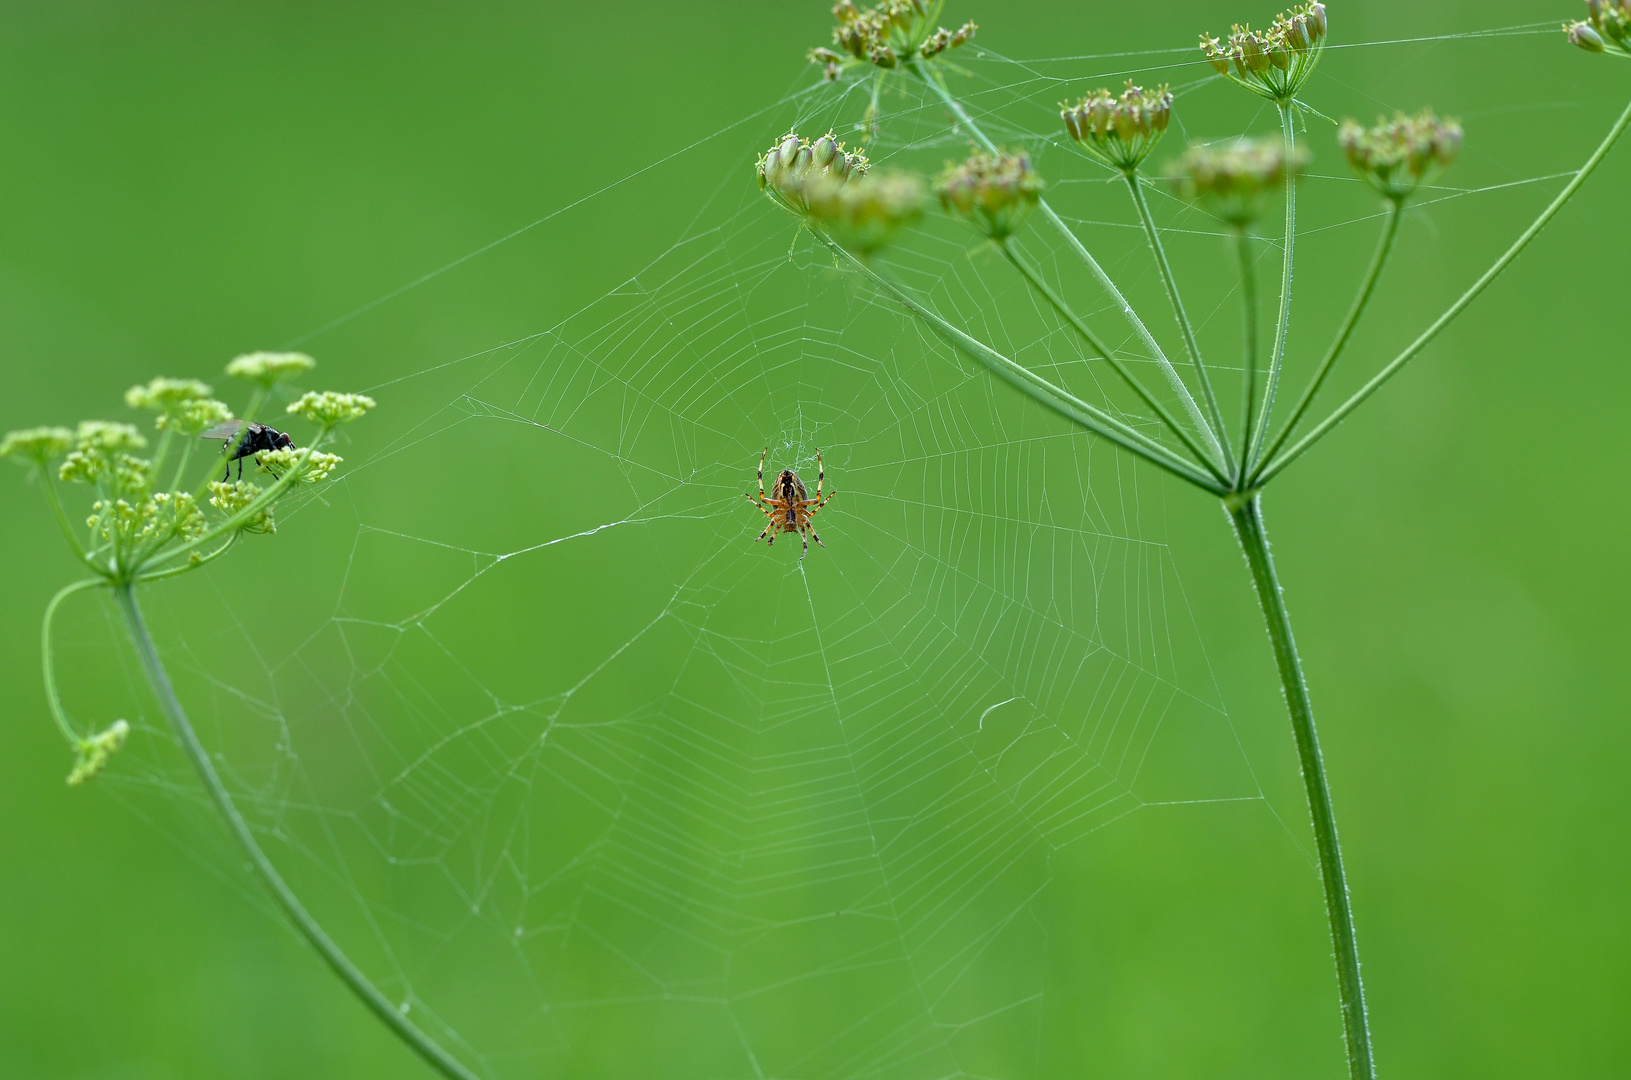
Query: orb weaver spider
x,y
791,509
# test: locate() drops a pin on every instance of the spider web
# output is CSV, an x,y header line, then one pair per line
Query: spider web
x,y
594,785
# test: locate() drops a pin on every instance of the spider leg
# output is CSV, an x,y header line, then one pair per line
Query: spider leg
x,y
762,535
821,474
817,537
762,454
814,506
806,543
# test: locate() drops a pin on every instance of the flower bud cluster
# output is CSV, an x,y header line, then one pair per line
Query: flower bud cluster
x,y
103,454
993,192
329,408
1121,132
38,445
1230,181
268,368
184,405
1397,156
1277,62
868,212
278,462
237,496
1607,25
793,165
887,35
95,751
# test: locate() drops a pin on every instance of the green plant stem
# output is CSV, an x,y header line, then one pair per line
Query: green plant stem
x,y
1033,385
393,1018
1384,248
177,571
1170,281
1179,387
1248,291
1246,513
47,658
1254,439
1035,279
1278,465
55,502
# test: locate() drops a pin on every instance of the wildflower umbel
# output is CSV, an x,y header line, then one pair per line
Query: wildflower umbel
x,y
1606,26
95,750
183,405
794,164
1120,131
1277,62
993,192
1397,156
1231,180
888,35
868,212
268,368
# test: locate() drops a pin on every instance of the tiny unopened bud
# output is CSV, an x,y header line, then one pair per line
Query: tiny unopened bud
x,y
1583,35
95,751
1216,54
318,464
233,498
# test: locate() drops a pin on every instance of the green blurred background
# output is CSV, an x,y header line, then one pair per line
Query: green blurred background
x,y
186,182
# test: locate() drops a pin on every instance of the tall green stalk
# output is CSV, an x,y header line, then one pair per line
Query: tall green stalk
x,y
1248,333
1282,331
1246,513
392,1017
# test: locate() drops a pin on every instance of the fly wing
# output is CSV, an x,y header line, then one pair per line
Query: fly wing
x,y
224,431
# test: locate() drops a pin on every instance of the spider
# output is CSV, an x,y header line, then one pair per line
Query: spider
x,y
791,509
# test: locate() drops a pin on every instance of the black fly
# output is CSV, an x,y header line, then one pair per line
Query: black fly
x,y
256,437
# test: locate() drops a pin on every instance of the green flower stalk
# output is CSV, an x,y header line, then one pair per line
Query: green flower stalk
x,y
142,529
1119,131
1277,62
993,192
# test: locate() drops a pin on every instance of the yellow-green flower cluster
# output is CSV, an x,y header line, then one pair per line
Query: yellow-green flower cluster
x,y
165,516
993,192
1397,156
183,405
328,408
888,34
793,165
38,445
1607,25
1120,131
868,212
1231,180
103,454
318,464
95,751
1276,62
234,498
268,368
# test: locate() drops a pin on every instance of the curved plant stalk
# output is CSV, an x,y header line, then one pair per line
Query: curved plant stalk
x,y
394,1018
1179,387
1170,282
1278,465
1028,272
1254,438
1246,513
1384,248
48,659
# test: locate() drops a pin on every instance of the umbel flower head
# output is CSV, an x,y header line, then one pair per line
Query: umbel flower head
x,y
37,445
993,192
1606,26
268,368
1397,156
1120,132
1231,180
329,409
866,213
1277,62
184,406
793,165
887,35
